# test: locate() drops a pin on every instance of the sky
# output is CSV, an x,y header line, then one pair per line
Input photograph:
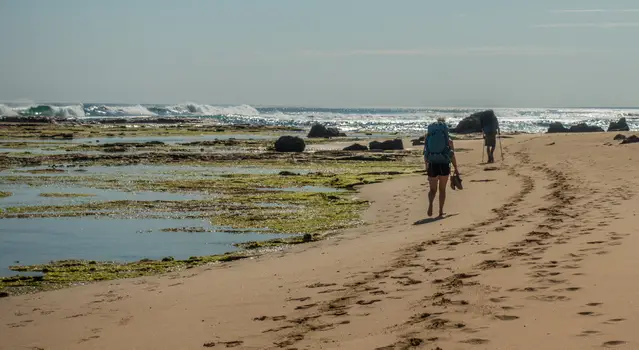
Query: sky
x,y
329,53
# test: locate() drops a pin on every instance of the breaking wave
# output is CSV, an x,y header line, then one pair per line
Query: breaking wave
x,y
404,120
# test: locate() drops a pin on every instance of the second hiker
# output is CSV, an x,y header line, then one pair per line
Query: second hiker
x,y
490,129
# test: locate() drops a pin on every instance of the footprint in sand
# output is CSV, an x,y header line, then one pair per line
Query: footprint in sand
x,y
615,320
368,302
475,341
594,304
320,285
88,339
588,333
498,300
304,307
506,317
549,298
124,321
612,343
302,299
588,313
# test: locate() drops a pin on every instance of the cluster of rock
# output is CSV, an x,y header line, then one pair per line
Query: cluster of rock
x,y
472,124
557,127
297,144
582,127
626,140
319,130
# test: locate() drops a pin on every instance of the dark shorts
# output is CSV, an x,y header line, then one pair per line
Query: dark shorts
x,y
490,139
435,170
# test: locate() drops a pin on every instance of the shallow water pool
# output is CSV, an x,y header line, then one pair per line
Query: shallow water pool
x,y
23,195
40,240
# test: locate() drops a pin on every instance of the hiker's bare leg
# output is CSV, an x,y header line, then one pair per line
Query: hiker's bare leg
x,y
432,182
492,153
443,180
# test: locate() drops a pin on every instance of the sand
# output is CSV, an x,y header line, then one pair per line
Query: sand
x,y
537,252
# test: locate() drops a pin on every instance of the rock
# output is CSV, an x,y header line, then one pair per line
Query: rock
x,y
419,142
57,136
116,149
290,144
4,294
288,173
619,137
631,139
621,125
319,130
395,144
472,123
556,127
583,127
356,147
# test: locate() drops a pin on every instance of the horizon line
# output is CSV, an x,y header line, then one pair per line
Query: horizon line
x,y
257,105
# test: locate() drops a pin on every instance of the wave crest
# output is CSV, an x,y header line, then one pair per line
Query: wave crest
x,y
72,111
200,109
119,111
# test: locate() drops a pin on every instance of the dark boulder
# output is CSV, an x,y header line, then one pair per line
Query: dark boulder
x,y
387,145
419,142
57,136
621,125
583,127
619,137
631,139
356,147
319,130
557,127
290,144
472,123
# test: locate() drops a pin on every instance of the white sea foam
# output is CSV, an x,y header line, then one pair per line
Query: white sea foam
x,y
129,111
203,109
6,111
69,111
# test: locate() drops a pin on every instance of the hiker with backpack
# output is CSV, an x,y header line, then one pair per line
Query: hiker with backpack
x,y
439,153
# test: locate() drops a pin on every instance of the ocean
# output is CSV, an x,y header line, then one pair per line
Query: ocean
x,y
401,120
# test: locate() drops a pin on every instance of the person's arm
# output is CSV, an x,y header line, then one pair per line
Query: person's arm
x,y
453,160
425,152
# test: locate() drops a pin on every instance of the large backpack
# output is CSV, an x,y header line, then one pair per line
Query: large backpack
x,y
439,151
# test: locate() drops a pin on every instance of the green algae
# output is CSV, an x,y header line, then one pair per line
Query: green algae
x,y
5,194
66,195
315,213
131,128
65,273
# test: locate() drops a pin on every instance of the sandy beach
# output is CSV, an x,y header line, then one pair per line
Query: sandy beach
x,y
537,252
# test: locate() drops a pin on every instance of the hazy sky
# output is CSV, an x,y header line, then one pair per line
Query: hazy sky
x,y
332,53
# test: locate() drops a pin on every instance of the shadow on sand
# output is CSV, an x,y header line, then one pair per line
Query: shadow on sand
x,y
433,219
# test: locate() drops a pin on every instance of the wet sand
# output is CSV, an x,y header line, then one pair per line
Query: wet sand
x,y
537,252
